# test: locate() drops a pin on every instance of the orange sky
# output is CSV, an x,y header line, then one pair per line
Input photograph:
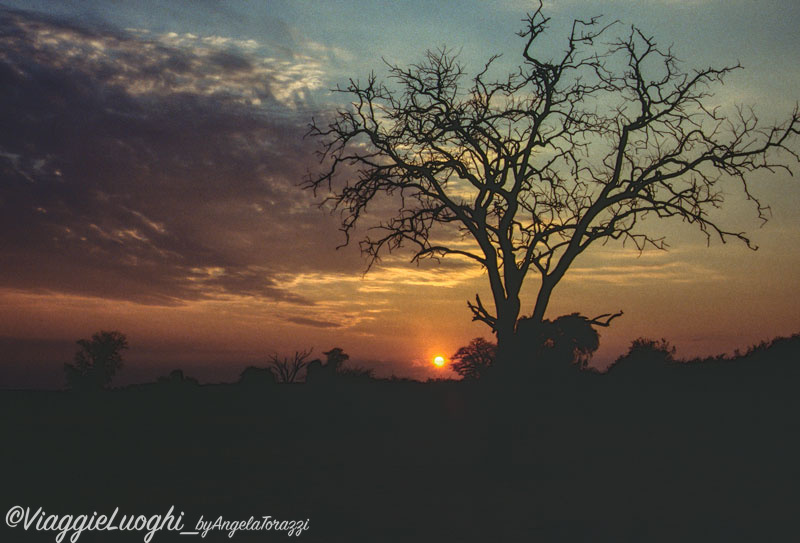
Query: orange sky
x,y
149,185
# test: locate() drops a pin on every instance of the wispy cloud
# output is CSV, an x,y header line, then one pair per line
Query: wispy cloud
x,y
655,273
316,323
139,62
389,278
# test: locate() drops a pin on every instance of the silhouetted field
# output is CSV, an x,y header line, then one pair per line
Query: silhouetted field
x,y
652,451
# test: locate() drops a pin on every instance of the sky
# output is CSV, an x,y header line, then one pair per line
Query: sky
x,y
151,154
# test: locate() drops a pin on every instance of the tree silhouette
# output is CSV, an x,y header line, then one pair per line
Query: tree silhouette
x,y
569,338
177,378
318,372
334,370
97,361
646,359
253,376
522,172
474,360
335,358
287,370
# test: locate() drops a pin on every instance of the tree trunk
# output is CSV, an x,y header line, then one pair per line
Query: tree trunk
x,y
506,359
507,393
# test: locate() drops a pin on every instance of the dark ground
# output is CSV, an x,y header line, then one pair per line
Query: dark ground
x,y
708,453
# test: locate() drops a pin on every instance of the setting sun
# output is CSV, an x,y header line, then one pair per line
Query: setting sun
x,y
438,361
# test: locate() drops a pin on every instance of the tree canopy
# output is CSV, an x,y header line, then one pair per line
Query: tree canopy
x,y
474,360
96,361
522,172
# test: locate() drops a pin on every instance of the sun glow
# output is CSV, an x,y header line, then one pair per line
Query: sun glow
x,y
438,361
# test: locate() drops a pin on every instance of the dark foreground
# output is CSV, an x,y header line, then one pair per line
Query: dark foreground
x,y
709,455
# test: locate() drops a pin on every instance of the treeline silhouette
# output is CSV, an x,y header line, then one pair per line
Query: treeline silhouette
x,y
552,355
655,449
559,354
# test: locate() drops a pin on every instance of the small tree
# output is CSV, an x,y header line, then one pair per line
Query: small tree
x,y
287,370
253,376
334,370
97,361
646,359
336,357
474,360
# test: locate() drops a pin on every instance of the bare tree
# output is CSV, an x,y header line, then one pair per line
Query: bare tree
x,y
522,173
287,370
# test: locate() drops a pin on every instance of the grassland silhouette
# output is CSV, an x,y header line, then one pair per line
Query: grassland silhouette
x,y
655,449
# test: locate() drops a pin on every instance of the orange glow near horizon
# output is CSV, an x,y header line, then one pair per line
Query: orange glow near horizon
x,y
217,284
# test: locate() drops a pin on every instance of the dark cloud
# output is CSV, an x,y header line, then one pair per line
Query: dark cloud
x,y
156,169
313,322
228,62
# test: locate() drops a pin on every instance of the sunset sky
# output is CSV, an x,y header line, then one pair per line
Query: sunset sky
x,y
150,154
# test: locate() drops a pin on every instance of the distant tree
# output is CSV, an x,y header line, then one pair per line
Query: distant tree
x,y
255,376
661,347
97,361
336,357
333,369
522,172
474,360
177,378
355,375
645,358
315,371
287,370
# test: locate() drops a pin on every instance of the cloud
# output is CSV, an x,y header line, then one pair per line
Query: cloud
x,y
391,275
154,168
220,65
305,321
651,273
